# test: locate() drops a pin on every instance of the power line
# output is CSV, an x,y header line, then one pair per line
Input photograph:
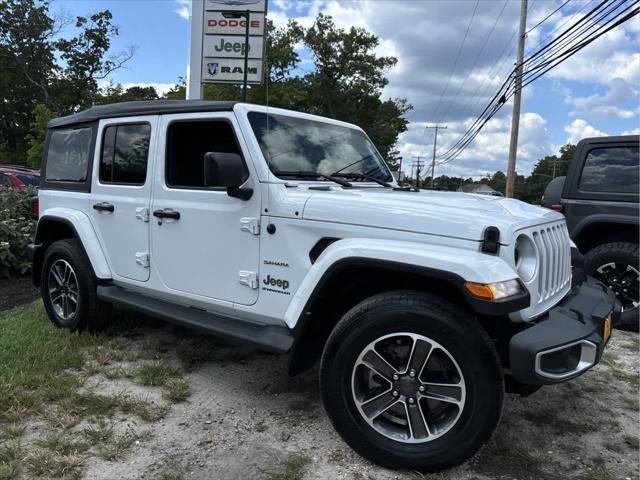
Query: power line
x,y
455,63
484,44
546,63
546,18
435,142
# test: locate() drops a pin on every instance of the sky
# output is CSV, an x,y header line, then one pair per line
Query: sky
x,y
593,93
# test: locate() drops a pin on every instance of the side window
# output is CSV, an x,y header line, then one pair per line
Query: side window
x,y
68,154
188,142
611,169
125,150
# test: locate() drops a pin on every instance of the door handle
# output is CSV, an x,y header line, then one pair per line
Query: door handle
x,y
167,213
103,207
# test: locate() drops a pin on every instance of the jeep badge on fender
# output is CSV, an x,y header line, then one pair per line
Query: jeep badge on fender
x,y
421,307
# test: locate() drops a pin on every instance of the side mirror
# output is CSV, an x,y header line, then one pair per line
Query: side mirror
x,y
226,170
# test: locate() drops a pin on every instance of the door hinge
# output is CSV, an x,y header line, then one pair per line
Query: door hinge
x,y
250,279
142,259
142,213
250,224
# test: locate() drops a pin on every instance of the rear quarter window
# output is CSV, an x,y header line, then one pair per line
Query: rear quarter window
x,y
611,169
68,155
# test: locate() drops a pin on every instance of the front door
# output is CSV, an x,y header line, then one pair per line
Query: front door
x,y
121,193
203,241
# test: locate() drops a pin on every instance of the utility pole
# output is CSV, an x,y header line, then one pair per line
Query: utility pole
x,y
417,164
435,141
517,98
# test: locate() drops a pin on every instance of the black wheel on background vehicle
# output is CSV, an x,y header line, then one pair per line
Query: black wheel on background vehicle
x,y
69,288
411,381
616,264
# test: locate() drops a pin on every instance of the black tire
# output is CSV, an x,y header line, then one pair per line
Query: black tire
x,y
91,314
453,328
623,254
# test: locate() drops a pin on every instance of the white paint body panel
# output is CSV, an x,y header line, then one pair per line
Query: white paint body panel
x,y
200,259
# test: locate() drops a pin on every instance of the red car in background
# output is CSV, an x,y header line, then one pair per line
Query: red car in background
x,y
19,178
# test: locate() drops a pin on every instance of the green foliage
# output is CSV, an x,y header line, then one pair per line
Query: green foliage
x,y
43,66
17,229
115,93
35,138
345,82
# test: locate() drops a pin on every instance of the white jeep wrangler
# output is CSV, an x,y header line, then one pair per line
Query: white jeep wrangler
x,y
288,232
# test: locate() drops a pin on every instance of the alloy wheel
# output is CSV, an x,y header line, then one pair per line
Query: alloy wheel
x,y
624,280
63,290
408,387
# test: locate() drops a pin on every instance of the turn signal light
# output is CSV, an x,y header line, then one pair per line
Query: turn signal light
x,y
494,291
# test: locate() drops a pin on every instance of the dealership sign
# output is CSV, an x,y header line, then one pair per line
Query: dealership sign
x,y
224,46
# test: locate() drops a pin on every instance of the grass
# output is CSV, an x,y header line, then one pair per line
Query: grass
x,y
44,463
98,432
155,374
293,468
62,445
176,391
118,447
33,358
14,431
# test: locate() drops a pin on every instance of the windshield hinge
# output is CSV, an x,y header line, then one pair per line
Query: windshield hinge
x,y
250,224
250,279
142,259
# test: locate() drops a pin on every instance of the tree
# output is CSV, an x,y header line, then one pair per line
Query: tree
x,y
115,93
345,83
40,66
36,137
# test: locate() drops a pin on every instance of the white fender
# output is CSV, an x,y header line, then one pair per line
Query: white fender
x,y
87,236
471,265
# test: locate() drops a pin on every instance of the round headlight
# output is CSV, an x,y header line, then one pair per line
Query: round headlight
x,y
526,258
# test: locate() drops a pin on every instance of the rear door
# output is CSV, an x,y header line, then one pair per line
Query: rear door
x,y
121,193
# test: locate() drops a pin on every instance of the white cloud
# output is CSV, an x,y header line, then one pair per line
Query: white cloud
x,y
487,154
580,129
606,105
183,9
635,131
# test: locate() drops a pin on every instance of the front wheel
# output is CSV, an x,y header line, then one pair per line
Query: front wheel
x,y
411,381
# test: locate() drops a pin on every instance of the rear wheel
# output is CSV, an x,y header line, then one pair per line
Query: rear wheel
x,y
616,265
411,381
69,288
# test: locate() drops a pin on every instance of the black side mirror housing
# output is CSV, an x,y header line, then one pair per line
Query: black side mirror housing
x,y
226,170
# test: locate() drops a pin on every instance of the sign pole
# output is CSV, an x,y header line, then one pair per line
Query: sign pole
x,y
247,14
194,73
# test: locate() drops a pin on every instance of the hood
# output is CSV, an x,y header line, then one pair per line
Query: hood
x,y
450,214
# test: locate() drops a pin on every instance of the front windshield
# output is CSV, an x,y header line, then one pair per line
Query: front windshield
x,y
300,146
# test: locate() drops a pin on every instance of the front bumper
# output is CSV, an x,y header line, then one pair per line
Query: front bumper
x,y
568,340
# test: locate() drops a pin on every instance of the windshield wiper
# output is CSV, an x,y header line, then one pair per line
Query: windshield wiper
x,y
305,174
364,176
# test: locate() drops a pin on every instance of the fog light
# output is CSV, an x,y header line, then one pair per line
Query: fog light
x,y
494,291
566,360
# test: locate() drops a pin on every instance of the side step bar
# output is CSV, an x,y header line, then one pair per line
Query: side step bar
x,y
270,338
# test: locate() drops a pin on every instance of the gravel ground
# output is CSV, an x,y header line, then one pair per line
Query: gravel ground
x,y
244,417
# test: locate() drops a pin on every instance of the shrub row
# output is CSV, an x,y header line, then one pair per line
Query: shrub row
x,y
17,228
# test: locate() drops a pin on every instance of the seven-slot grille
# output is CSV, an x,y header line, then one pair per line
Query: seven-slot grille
x,y
554,255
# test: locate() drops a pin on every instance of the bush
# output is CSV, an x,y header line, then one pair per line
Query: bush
x,y
17,229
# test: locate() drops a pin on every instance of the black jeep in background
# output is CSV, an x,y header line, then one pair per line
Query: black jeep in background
x,y
599,198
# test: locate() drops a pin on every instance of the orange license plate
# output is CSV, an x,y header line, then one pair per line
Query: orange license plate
x,y
607,329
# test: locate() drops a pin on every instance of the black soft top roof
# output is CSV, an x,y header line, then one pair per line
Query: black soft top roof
x,y
150,107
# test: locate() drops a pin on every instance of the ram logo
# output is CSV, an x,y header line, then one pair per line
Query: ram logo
x,y
212,68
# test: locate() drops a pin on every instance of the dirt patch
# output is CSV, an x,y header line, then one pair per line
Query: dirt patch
x,y
16,291
169,404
